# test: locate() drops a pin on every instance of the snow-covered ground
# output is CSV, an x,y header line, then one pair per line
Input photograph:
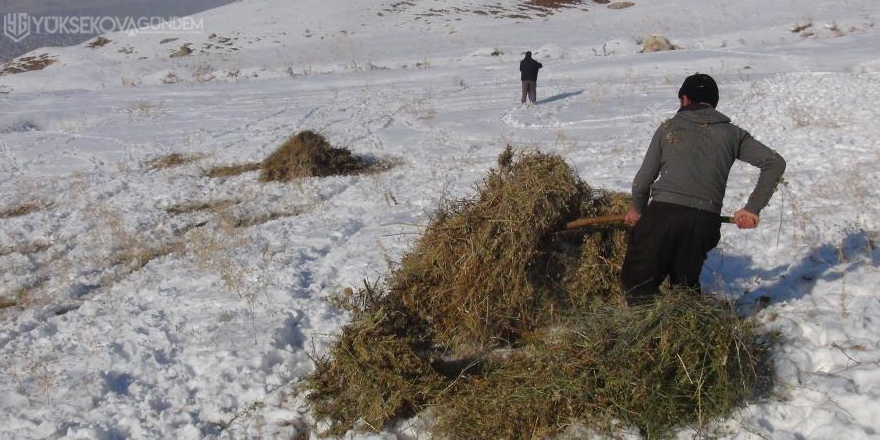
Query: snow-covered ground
x,y
131,311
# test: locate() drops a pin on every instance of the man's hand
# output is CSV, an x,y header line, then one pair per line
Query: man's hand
x,y
632,216
745,219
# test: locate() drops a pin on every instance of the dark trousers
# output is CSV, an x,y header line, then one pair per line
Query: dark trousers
x,y
668,241
529,88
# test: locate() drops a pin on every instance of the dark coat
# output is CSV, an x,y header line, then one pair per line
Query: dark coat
x,y
529,69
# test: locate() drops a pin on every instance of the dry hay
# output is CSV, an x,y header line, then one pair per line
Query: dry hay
x,y
478,275
657,43
493,274
592,270
308,154
620,5
173,160
23,209
374,372
232,170
683,361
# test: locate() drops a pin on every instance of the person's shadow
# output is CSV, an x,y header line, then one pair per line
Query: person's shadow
x,y
559,97
828,262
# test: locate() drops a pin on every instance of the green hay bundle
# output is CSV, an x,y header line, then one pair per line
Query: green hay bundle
x,y
684,361
476,275
308,154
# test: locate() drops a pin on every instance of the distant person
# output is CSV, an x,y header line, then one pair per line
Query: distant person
x,y
678,191
528,69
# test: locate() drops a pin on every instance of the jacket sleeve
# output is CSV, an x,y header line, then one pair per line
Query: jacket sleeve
x,y
539,64
771,164
647,174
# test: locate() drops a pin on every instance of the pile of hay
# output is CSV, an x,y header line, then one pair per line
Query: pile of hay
x,y
479,274
305,154
372,375
684,361
308,154
493,274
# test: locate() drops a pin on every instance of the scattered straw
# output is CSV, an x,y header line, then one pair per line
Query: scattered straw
x,y
21,209
195,206
173,160
232,170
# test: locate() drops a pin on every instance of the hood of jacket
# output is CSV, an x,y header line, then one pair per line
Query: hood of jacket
x,y
702,114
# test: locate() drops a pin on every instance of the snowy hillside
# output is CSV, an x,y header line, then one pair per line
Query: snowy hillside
x,y
144,301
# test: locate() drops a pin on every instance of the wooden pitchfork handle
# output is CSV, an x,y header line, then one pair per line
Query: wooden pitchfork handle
x,y
587,221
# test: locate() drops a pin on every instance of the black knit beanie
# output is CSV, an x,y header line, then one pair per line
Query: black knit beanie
x,y
700,87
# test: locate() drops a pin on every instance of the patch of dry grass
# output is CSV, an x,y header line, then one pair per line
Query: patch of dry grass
x,y
129,249
196,206
27,64
248,220
233,170
25,249
22,209
101,41
173,160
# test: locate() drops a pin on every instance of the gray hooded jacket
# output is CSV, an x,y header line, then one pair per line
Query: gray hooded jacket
x,y
690,157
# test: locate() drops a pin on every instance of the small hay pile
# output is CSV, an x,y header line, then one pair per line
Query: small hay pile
x,y
308,154
492,274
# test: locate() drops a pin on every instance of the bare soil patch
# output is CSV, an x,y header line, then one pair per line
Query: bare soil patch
x,y
27,64
553,4
98,42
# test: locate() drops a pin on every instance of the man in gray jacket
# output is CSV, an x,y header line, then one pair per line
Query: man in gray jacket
x,y
678,191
